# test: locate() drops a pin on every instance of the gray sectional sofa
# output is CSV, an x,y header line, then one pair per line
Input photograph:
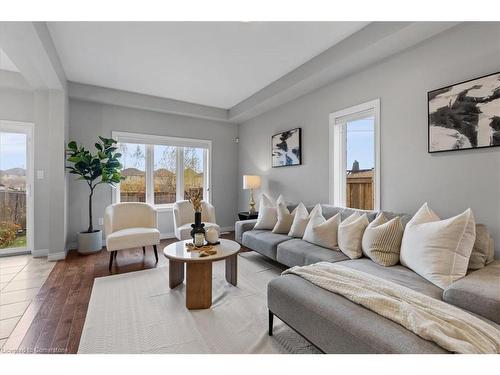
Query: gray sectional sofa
x,y
333,323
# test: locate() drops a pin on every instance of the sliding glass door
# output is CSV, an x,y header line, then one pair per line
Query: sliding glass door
x,y
16,181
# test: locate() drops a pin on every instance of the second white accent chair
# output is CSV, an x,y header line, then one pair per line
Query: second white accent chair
x,y
129,225
184,217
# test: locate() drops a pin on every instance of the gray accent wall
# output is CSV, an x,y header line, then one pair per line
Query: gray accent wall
x,y
89,120
450,182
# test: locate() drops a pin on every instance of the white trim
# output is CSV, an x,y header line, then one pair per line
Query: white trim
x,y
149,166
336,129
154,139
40,253
28,129
54,257
14,251
179,170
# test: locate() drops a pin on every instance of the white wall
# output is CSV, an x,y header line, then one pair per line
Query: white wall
x,y
44,108
88,120
16,105
450,182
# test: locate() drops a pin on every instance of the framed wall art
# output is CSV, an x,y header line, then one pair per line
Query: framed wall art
x,y
465,115
286,148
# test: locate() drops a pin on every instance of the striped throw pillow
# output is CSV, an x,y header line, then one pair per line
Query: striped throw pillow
x,y
382,240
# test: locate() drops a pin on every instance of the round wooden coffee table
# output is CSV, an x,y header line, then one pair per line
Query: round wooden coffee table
x,y
199,270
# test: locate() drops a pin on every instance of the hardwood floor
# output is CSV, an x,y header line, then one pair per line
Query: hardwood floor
x,y
53,322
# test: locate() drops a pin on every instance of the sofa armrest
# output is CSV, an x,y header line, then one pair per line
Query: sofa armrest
x,y
241,227
478,292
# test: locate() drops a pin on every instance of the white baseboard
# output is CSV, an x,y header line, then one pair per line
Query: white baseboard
x,y
40,253
164,236
57,256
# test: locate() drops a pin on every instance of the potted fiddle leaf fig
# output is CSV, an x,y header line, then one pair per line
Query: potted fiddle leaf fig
x,y
101,168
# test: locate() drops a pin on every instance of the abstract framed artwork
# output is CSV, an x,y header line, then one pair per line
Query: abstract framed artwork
x,y
286,148
465,115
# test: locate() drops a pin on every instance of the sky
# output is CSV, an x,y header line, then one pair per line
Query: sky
x,y
360,143
12,150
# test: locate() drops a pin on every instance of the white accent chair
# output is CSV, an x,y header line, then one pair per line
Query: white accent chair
x,y
129,225
184,217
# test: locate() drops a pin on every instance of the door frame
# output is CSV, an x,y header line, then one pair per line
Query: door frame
x,y
27,128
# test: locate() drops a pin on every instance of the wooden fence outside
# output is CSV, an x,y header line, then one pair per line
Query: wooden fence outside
x,y
161,197
359,192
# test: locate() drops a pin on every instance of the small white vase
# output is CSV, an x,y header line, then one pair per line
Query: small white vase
x,y
212,235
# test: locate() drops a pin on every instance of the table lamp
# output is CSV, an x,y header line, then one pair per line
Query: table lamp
x,y
251,182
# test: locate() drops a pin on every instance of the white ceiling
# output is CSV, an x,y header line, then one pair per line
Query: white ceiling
x,y
6,63
212,63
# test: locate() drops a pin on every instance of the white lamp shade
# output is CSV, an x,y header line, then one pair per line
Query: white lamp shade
x,y
251,182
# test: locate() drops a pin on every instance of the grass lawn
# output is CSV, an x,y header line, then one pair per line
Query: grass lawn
x,y
18,242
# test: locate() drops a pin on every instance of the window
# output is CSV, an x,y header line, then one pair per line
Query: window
x,y
162,170
133,188
354,157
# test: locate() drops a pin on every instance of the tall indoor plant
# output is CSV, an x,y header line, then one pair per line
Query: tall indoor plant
x,y
103,167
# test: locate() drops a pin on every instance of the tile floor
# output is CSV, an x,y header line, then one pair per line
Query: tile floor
x,y
21,277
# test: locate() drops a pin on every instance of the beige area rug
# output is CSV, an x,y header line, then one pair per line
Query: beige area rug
x,y
138,313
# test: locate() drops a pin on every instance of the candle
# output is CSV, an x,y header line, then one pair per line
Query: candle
x,y
199,239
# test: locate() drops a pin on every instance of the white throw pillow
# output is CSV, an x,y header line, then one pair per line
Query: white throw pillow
x,y
351,234
300,220
285,219
438,250
268,213
322,232
382,240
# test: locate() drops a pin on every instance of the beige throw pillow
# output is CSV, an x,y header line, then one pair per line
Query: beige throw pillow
x,y
300,220
382,240
285,219
438,250
268,213
350,234
480,250
322,232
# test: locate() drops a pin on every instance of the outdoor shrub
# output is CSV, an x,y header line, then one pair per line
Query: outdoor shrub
x,y
8,231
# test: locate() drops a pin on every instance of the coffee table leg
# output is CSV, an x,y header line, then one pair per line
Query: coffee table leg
x,y
199,285
175,272
232,269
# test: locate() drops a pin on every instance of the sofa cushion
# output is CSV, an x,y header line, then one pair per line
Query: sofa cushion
x,y
337,325
350,234
478,292
263,241
285,219
382,240
322,232
480,251
436,249
397,274
297,252
241,227
301,219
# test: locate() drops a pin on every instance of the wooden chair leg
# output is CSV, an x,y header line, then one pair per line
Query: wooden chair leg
x,y
116,253
271,316
156,253
143,250
111,256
